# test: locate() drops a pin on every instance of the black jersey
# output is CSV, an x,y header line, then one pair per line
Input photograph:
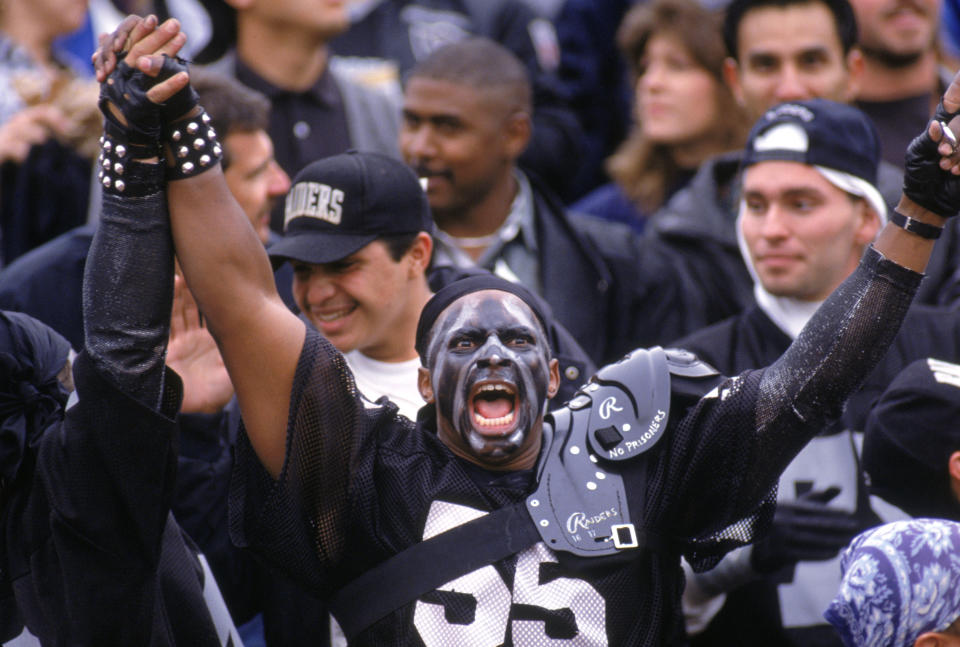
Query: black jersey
x,y
361,483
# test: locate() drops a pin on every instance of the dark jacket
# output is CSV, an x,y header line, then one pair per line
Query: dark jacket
x,y
603,284
89,554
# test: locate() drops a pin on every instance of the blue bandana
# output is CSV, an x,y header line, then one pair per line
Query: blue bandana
x,y
900,580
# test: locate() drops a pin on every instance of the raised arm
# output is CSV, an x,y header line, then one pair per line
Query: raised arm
x,y
770,414
223,260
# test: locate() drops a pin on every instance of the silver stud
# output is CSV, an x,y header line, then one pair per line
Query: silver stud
x,y
534,503
199,143
217,150
204,160
192,128
118,168
106,181
105,163
211,134
206,118
101,140
182,151
176,135
121,150
544,523
120,185
187,167
108,145
100,175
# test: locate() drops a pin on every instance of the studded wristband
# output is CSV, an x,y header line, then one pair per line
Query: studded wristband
x,y
193,146
120,171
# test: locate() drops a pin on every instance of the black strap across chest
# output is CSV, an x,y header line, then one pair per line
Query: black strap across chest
x,y
427,565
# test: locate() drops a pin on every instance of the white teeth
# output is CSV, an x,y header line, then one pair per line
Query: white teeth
x,y
494,422
333,316
496,387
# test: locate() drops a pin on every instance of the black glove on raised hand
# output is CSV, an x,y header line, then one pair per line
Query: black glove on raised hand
x,y
806,529
138,130
924,181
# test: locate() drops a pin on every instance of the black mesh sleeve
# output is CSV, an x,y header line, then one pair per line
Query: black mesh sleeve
x,y
716,485
837,349
299,522
128,292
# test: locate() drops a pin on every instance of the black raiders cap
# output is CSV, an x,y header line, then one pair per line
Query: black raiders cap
x,y
339,204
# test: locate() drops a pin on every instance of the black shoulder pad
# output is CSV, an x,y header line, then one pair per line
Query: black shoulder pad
x,y
683,363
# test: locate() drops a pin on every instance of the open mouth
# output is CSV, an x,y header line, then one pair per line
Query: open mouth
x,y
493,408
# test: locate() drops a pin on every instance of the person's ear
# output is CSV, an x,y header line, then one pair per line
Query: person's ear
x,y
554,384
419,254
856,68
424,385
931,639
868,224
518,130
953,467
731,76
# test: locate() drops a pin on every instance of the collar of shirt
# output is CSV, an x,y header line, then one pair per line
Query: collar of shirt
x,y
518,230
324,91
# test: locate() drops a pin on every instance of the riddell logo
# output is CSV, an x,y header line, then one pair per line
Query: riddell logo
x,y
314,200
608,406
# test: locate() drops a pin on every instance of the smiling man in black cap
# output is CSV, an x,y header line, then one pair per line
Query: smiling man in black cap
x,y
489,521
357,233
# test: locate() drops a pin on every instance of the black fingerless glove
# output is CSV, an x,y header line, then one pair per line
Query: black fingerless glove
x,y
126,89
924,181
192,141
180,104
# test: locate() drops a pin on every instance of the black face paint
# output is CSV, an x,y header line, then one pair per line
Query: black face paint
x,y
490,372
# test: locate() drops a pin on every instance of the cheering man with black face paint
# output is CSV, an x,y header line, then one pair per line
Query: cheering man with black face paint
x,y
489,522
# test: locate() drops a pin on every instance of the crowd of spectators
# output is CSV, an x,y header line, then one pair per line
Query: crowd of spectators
x,y
621,160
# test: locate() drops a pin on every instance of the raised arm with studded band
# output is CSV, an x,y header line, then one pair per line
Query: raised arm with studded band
x,y
345,487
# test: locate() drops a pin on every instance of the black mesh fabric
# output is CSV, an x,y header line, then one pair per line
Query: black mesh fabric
x,y
361,483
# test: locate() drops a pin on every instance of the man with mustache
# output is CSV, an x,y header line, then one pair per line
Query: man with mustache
x,y
466,119
489,521
902,78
